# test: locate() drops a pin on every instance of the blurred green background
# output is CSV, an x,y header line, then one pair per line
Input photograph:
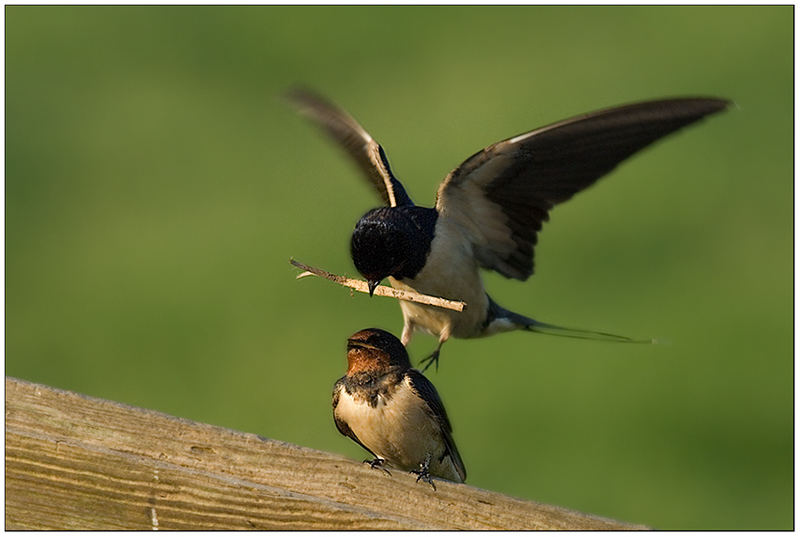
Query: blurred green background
x,y
156,185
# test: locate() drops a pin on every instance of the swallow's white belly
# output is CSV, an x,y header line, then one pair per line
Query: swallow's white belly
x,y
399,429
451,272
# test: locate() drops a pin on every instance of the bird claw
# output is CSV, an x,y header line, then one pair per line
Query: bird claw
x,y
377,463
432,359
423,474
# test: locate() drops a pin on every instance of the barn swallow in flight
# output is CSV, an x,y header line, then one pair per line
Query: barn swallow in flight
x,y
488,210
393,411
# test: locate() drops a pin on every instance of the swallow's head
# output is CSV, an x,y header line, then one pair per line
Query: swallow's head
x,y
380,245
392,241
375,350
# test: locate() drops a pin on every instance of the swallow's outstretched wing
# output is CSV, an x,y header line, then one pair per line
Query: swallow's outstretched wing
x,y
502,195
356,141
426,390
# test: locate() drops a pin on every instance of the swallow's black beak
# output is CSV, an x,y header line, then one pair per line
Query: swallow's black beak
x,y
372,285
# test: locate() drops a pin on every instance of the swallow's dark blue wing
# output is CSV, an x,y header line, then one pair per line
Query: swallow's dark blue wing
x,y
356,141
503,194
426,390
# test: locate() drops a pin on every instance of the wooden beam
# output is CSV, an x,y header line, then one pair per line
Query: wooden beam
x,y
77,462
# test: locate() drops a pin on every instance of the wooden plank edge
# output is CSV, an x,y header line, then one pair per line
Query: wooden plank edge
x,y
269,462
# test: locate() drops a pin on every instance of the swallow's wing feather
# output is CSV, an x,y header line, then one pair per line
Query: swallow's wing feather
x,y
426,390
356,141
503,194
341,425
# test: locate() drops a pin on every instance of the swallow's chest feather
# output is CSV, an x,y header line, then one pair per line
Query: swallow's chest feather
x,y
451,272
394,424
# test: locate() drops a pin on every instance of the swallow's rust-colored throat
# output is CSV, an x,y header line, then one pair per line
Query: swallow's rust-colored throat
x,y
363,358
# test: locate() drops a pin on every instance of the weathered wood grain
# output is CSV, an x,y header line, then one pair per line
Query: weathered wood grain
x,y
76,462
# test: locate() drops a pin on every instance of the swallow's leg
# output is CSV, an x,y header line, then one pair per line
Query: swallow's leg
x,y
422,473
431,359
434,357
377,463
408,331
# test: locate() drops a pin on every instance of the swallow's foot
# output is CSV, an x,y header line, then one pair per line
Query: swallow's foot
x,y
376,463
432,359
423,474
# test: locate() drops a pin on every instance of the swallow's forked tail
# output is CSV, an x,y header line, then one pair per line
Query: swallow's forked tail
x,y
502,320
578,333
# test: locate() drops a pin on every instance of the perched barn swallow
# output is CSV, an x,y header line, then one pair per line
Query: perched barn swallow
x,y
393,411
489,209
